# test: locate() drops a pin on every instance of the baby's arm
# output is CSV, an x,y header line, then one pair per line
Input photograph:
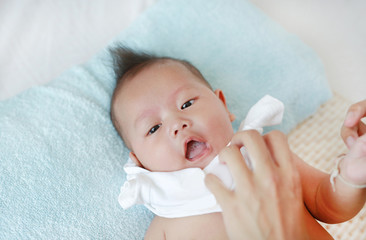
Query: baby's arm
x,y
346,201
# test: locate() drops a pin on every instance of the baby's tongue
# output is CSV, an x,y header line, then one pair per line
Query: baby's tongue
x,y
194,149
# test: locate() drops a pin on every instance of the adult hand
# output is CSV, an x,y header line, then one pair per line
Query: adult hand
x,y
353,127
267,201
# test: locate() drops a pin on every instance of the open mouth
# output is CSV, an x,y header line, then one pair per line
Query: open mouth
x,y
195,149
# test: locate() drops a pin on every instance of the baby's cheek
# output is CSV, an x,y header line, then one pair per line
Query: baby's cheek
x,y
163,158
222,131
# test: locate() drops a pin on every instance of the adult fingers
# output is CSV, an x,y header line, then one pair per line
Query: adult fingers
x,y
279,150
231,155
288,175
218,189
257,150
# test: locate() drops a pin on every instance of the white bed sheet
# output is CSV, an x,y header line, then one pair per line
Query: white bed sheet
x,y
41,39
336,30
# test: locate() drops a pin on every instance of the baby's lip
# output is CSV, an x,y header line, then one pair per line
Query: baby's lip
x,y
195,149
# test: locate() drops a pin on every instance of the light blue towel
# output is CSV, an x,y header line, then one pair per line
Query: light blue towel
x,y
60,158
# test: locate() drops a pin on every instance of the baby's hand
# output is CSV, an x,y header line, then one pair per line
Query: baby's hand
x,y
353,166
353,126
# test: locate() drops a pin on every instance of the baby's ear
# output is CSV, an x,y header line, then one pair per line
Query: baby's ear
x,y
221,96
135,160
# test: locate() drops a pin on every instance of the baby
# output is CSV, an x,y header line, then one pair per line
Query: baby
x,y
171,120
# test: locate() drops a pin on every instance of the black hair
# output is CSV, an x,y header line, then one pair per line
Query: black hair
x,y
127,63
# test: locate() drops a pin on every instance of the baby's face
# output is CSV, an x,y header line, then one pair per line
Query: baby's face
x,y
170,119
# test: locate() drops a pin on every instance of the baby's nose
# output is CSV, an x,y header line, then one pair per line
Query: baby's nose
x,y
179,126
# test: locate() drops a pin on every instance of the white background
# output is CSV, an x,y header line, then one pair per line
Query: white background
x,y
336,30
41,39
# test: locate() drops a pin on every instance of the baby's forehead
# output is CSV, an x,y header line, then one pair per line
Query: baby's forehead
x,y
148,72
157,68
148,69
156,65
181,67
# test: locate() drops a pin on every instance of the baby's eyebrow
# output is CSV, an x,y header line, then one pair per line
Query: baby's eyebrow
x,y
179,90
144,114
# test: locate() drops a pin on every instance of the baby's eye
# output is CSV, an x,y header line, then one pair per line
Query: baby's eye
x,y
187,104
154,129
